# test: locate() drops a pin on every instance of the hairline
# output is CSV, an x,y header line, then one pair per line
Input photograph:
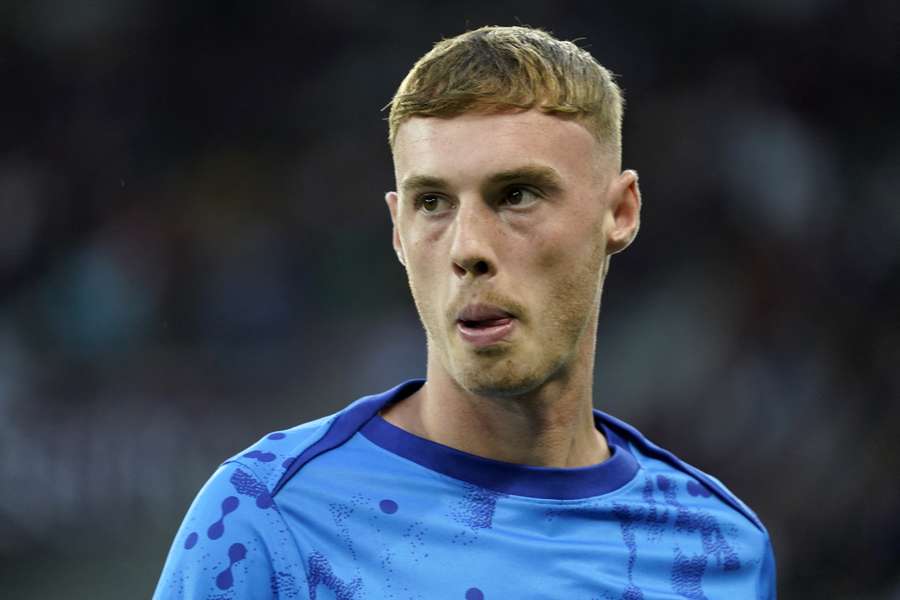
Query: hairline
x,y
608,150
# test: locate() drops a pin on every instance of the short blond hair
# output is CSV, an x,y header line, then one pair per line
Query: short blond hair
x,y
502,68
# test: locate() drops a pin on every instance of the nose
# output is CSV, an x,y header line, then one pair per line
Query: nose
x,y
474,236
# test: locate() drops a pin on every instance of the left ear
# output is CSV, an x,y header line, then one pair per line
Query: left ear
x,y
624,211
392,199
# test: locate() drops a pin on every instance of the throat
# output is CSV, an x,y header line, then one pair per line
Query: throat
x,y
498,431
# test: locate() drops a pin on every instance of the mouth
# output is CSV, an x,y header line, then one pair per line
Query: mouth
x,y
483,325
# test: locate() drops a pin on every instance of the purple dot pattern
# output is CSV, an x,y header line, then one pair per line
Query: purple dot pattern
x,y
217,529
663,483
632,592
656,518
687,575
628,517
666,512
283,585
687,571
695,489
246,484
264,457
714,543
236,552
476,509
191,540
320,572
340,513
474,512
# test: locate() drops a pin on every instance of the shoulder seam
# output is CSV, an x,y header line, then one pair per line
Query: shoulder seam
x,y
345,424
274,505
636,437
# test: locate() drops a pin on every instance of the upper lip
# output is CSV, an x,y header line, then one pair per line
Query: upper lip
x,y
482,312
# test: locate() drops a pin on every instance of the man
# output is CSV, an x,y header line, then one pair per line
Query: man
x,y
493,478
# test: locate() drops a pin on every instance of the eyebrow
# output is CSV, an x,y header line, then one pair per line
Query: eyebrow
x,y
540,175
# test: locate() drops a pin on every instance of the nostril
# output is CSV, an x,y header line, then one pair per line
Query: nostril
x,y
476,268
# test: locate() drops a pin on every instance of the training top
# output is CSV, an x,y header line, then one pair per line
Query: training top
x,y
351,507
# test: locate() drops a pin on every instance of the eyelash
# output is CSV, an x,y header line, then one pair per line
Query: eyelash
x,y
521,188
420,200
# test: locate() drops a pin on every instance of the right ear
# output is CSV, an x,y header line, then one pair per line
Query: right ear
x,y
392,199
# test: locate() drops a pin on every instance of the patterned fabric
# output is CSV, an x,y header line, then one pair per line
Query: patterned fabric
x,y
351,507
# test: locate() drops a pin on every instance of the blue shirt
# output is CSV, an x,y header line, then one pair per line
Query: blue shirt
x,y
351,507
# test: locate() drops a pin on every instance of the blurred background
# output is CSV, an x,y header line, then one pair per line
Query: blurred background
x,y
194,251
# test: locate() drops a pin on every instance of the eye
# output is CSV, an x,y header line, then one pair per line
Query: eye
x,y
519,197
431,203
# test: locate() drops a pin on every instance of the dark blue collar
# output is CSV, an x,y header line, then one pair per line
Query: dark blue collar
x,y
504,477
507,478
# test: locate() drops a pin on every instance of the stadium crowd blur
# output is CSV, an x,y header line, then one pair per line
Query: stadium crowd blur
x,y
194,251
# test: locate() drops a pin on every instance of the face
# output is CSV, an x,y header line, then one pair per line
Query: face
x,y
504,223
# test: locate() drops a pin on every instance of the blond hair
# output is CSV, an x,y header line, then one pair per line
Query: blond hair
x,y
502,68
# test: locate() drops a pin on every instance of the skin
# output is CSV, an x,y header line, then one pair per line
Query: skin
x,y
521,210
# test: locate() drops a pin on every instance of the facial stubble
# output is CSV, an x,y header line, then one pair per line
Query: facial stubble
x,y
546,350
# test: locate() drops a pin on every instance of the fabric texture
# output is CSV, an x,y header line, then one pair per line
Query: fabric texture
x,y
351,507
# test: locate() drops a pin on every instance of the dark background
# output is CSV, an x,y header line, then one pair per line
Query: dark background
x,y
194,251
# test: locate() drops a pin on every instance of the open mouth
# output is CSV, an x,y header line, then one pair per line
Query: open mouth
x,y
482,326
485,323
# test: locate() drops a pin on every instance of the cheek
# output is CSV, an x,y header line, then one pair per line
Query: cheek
x,y
422,259
424,278
570,268
570,250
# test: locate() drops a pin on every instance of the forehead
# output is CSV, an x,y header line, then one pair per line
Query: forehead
x,y
475,145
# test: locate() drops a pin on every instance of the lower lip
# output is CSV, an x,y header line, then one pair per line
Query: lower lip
x,y
485,336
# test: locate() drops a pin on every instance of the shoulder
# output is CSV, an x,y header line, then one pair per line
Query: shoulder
x,y
233,538
702,504
270,456
656,458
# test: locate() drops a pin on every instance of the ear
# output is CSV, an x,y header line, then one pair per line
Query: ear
x,y
392,199
624,211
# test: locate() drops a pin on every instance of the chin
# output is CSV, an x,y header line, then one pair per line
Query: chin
x,y
504,379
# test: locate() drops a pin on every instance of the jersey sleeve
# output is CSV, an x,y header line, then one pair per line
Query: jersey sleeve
x,y
233,543
767,578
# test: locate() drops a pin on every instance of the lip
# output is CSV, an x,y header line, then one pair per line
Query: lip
x,y
481,337
482,312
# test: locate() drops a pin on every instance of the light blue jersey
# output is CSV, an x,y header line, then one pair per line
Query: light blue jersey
x,y
351,507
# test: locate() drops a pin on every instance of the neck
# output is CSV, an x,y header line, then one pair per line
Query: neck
x,y
550,426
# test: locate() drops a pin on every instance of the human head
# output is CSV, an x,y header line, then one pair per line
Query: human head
x,y
510,195
492,69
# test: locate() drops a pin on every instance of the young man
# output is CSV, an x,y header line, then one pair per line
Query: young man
x,y
493,478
